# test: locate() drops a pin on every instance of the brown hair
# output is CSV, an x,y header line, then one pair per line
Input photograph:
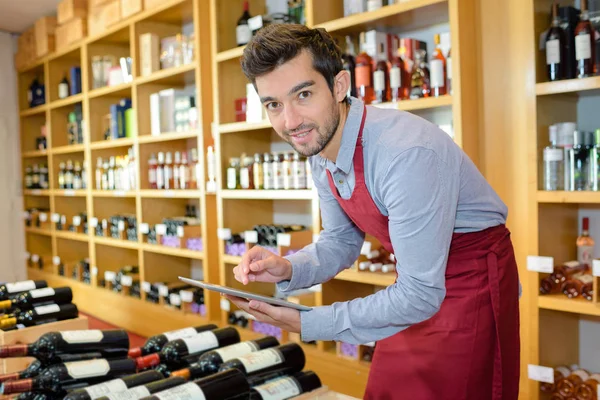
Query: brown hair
x,y
276,44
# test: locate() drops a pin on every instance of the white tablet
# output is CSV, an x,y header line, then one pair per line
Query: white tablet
x,y
245,295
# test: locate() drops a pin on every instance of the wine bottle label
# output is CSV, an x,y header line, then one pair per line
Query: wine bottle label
x,y
242,34
585,254
20,286
395,78
89,336
379,81
436,68
45,292
553,52
87,369
279,389
102,389
583,47
180,334
49,309
201,342
63,91
188,391
236,350
363,76
261,360
130,394
553,155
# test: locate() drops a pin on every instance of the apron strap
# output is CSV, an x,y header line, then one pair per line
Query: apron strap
x,y
494,285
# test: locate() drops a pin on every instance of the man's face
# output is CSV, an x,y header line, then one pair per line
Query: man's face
x,y
300,105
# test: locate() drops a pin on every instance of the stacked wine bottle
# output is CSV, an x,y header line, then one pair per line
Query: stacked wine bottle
x,y
573,279
203,362
572,382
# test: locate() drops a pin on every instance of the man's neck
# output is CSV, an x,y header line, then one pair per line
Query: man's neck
x,y
332,149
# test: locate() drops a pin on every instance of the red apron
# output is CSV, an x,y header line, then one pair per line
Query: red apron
x,y
469,350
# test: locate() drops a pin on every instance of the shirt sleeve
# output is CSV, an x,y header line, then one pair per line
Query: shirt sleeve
x,y
338,246
420,193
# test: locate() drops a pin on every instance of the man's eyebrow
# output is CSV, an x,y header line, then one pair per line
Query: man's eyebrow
x,y
293,90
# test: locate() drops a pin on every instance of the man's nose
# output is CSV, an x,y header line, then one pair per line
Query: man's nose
x,y
292,118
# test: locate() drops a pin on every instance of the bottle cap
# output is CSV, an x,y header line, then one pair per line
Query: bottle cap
x,y
553,130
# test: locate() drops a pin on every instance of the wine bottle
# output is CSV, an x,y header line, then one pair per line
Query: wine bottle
x,y
41,315
584,43
243,34
10,289
156,343
222,385
289,357
176,350
114,386
286,387
209,362
49,345
27,300
555,48
142,391
61,377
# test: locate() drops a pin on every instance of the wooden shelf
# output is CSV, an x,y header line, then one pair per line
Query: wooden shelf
x,y
230,54
568,197
112,193
165,137
82,237
169,76
78,98
155,248
38,231
234,260
305,194
72,148
34,111
244,126
36,192
124,244
122,90
367,277
568,86
170,194
420,104
109,144
70,192
35,153
559,302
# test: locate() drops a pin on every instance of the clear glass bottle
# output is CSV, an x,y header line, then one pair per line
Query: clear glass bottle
x,y
437,66
257,170
61,176
277,166
298,172
286,171
565,137
69,175
35,177
105,168
152,164
77,179
168,171
184,172
247,173
580,158
553,162
233,173
160,171
111,173
420,77
98,173
267,172
585,244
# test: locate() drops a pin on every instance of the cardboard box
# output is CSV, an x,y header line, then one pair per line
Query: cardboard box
x,y
96,23
26,44
71,32
112,13
45,29
71,9
149,53
131,7
150,4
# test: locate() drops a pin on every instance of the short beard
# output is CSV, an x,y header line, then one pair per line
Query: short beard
x,y
323,138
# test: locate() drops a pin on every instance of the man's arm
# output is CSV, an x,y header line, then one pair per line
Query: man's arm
x,y
420,193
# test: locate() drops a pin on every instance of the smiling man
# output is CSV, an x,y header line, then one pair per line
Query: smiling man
x,y
448,328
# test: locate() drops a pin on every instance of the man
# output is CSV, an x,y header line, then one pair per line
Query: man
x,y
449,327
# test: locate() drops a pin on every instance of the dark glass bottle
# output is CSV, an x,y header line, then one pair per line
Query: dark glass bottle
x,y
289,357
11,289
381,77
364,75
397,83
420,77
349,64
243,34
143,391
584,44
580,161
29,299
155,344
114,386
41,315
556,40
286,387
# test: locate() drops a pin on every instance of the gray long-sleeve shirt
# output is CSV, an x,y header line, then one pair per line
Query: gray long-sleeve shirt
x,y
428,187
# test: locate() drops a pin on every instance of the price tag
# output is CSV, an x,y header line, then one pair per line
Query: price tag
x,y
596,267
180,231
251,237
255,23
93,222
174,299
76,220
284,239
146,287
540,264
110,276
144,228
55,218
540,374
69,192
186,296
366,248
224,233
121,226
316,237
126,280
26,214
225,305
163,291
161,229
168,194
43,217
35,258
119,193
95,271
56,260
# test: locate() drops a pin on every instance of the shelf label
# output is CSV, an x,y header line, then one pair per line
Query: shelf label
x,y
174,299
144,228
56,260
146,287
95,271
43,217
251,237
56,218
366,248
284,239
316,237
540,264
224,233
69,192
186,296
596,267
168,194
119,193
225,305
76,220
180,231
110,276
540,374
93,222
163,291
121,226
126,280
161,229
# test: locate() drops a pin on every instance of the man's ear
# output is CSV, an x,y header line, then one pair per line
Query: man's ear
x,y
341,84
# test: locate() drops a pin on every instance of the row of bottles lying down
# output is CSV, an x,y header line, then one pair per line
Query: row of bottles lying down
x,y
195,363
572,382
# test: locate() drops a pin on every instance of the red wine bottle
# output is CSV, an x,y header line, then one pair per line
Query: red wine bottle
x,y
156,343
222,385
41,315
112,343
10,289
289,357
176,350
209,362
114,386
68,376
142,391
286,387
27,300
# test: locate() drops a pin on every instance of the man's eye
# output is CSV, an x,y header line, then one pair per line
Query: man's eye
x,y
304,95
272,106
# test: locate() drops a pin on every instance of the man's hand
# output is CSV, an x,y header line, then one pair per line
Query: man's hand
x,y
260,265
285,318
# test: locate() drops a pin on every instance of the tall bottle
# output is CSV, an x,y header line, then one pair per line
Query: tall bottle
x,y
437,67
194,169
176,350
27,300
152,165
61,377
349,64
69,175
11,289
580,158
267,172
585,244
397,84
41,315
420,77
257,171
118,385
223,385
77,178
155,343
585,44
184,172
168,171
364,74
111,173
381,77
243,34
556,41
286,387
553,162
209,362
160,171
176,171
61,176
105,168
289,357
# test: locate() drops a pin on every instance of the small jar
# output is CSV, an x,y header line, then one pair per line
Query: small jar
x,y
257,171
286,171
298,172
233,173
267,172
247,174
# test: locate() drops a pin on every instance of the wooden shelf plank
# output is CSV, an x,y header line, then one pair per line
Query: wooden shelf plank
x,y
170,194
155,248
165,137
568,86
36,192
124,244
568,197
112,193
305,194
367,277
168,75
230,54
34,111
35,153
419,104
234,260
73,148
121,90
38,231
71,236
559,302
69,192
78,98
109,144
244,126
